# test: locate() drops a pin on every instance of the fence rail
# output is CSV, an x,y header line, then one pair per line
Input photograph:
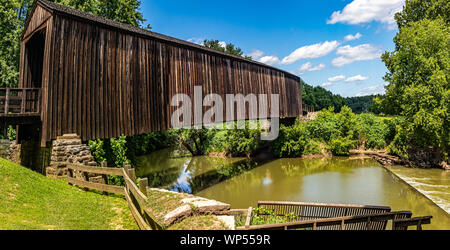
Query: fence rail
x,y
136,196
401,220
20,101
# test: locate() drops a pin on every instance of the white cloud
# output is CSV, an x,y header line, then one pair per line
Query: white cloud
x,y
311,51
351,37
365,11
327,84
309,67
351,54
373,90
256,54
336,78
196,40
356,78
270,60
222,44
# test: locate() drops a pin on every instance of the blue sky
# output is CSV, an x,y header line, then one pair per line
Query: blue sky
x,y
335,44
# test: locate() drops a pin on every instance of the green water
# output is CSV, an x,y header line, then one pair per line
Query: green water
x,y
242,183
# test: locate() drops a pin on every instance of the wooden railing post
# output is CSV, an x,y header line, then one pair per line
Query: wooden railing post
x,y
22,105
7,101
143,184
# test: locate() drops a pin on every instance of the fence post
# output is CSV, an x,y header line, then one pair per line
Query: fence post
x,y
143,184
131,172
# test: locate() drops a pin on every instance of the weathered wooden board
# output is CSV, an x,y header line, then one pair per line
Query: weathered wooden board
x,y
96,186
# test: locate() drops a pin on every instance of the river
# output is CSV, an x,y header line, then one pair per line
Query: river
x,y
242,182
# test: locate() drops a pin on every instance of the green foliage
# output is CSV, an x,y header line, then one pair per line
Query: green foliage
x,y
417,10
371,131
325,127
341,146
312,148
143,144
263,216
97,151
242,142
228,48
399,145
196,141
321,98
291,141
418,74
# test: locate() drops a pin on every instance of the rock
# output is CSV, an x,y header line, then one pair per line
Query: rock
x,y
205,206
177,214
228,221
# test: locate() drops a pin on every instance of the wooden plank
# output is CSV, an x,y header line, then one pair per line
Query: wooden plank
x,y
96,170
96,186
137,216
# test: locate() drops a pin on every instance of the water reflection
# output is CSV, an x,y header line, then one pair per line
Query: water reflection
x,y
189,174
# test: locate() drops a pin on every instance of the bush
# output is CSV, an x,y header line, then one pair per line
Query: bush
x,y
341,146
242,142
312,148
323,130
371,131
399,146
292,141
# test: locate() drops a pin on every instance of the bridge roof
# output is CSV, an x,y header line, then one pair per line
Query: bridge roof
x,y
74,13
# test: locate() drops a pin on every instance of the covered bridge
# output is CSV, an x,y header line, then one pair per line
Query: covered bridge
x,y
98,78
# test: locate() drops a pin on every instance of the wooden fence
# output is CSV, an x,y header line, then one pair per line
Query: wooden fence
x,y
136,196
19,101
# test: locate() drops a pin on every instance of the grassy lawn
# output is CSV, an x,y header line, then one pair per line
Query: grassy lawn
x,y
30,201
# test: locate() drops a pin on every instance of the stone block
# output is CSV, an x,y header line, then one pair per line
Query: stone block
x,y
177,214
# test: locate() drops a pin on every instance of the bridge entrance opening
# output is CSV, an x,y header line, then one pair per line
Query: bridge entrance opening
x,y
34,49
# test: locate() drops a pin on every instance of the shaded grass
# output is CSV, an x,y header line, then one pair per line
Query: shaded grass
x,y
30,201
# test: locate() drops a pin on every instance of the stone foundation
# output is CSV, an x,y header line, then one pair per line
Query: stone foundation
x,y
70,149
5,149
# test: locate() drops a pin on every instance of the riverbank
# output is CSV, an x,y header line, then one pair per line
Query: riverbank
x,y
30,201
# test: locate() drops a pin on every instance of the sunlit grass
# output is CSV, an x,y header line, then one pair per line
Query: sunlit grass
x,y
30,201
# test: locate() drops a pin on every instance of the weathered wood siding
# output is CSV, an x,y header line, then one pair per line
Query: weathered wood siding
x,y
104,82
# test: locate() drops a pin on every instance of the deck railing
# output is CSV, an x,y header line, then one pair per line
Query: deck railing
x,y
319,216
307,108
20,101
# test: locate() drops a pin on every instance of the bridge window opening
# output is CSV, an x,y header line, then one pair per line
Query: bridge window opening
x,y
35,59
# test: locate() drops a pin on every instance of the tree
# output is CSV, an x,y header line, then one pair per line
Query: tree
x,y
13,15
418,74
228,48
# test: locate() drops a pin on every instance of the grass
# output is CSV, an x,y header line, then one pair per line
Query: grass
x,y
30,201
206,222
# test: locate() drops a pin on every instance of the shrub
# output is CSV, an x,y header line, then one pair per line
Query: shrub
x,y
312,148
399,145
291,142
325,126
242,142
371,130
341,146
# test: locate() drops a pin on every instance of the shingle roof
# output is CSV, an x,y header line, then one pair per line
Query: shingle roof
x,y
54,7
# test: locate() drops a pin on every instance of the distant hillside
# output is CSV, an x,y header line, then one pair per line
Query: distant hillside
x,y
321,98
